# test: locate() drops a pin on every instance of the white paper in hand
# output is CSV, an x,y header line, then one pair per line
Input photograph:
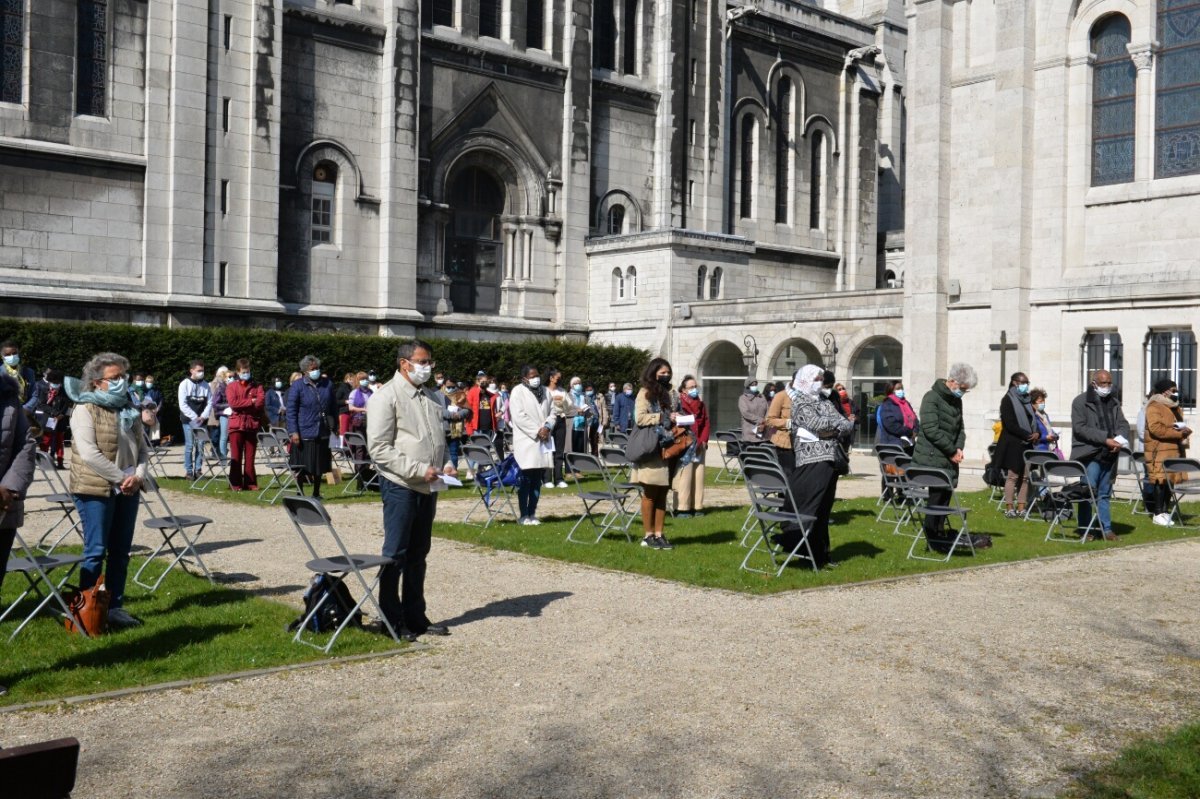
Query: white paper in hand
x,y
451,480
805,435
548,446
1122,440
1178,425
687,420
51,423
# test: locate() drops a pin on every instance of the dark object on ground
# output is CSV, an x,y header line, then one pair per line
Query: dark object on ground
x,y
43,770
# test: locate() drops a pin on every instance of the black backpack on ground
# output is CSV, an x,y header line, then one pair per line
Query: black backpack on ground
x,y
334,610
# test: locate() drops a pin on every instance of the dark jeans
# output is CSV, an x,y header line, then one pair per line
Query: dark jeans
x,y
579,440
108,524
407,536
560,448
453,446
529,491
6,541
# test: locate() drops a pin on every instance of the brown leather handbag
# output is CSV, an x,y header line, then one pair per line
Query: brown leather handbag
x,y
683,440
89,609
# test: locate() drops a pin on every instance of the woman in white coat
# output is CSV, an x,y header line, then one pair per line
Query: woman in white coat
x,y
532,422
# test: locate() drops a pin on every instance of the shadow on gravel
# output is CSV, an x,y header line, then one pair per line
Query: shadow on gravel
x,y
212,546
527,606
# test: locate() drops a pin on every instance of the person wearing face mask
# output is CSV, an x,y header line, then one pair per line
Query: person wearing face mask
x,y
533,418
1018,433
341,395
195,408
405,439
622,414
940,446
481,399
752,405
1166,437
311,417
109,464
597,419
898,422
373,382
1098,431
1047,438
153,400
652,408
564,409
246,400
51,408
584,413
10,364
817,427
688,482
779,422
276,403
357,402
220,411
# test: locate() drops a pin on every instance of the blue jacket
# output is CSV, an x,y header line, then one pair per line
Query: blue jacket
x,y
276,404
307,403
623,412
891,425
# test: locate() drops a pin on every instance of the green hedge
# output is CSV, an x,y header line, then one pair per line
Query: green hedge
x,y
165,352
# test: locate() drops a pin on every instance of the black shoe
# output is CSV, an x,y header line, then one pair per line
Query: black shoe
x,y
436,629
402,632
648,541
981,541
663,543
683,515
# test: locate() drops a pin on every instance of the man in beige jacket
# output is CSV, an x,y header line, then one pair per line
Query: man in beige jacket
x,y
405,439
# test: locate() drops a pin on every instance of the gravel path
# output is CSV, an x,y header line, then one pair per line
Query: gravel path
x,y
564,681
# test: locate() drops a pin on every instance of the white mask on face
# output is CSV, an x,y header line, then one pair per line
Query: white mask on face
x,y
534,382
1103,391
492,388
420,373
826,392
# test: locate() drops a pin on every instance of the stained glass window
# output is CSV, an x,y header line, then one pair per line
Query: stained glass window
x,y
783,149
91,78
1114,85
1177,105
12,40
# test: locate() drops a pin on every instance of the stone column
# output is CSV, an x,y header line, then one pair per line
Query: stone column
x,y
1143,157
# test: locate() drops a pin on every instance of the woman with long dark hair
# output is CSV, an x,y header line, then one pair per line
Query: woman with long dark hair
x,y
1018,433
652,408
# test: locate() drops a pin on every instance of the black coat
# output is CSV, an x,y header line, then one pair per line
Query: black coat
x,y
1010,449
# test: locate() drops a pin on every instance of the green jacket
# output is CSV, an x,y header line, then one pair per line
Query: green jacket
x,y
942,432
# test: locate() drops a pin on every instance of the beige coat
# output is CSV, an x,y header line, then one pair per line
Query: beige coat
x,y
654,472
779,417
1163,441
404,433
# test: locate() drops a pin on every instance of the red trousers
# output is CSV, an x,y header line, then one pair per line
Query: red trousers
x,y
243,444
52,442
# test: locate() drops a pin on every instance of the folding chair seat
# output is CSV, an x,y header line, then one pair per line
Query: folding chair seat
x,y
931,480
273,454
1068,485
43,770
494,496
309,516
360,463
36,569
59,495
179,532
1035,477
729,444
210,460
1187,487
619,503
767,485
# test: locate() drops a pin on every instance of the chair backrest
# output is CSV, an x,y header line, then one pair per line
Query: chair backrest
x,y
481,439
1064,471
482,456
882,448
45,464
44,770
615,456
618,438
280,432
928,477
354,440
726,436
308,514
1181,465
764,478
585,463
1039,456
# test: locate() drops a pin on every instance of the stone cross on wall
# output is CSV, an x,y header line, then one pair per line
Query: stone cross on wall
x,y
1003,347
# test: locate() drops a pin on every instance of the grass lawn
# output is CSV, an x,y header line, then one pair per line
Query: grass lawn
x,y
1163,768
708,550
192,629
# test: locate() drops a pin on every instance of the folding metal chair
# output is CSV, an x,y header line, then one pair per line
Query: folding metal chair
x,y
1069,485
618,502
1137,468
767,485
309,516
1130,488
930,480
618,439
360,463
1035,477
618,465
1188,486
757,453
996,497
36,569
179,536
155,456
892,498
494,497
59,495
210,459
729,444
273,454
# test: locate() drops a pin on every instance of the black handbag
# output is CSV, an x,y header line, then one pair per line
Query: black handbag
x,y
841,459
643,444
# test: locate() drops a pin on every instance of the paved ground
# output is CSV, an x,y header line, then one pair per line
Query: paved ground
x,y
563,681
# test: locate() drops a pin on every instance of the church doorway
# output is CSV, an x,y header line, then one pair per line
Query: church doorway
x,y
878,363
474,256
723,376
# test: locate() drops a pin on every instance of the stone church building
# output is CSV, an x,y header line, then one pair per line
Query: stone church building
x,y
727,184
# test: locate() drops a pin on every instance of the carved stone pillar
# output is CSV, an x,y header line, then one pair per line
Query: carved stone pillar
x,y
1143,59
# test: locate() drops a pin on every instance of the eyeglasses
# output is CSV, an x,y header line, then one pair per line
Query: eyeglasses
x,y
423,362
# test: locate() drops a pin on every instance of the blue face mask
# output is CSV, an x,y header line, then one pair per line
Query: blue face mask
x,y
245,376
1023,388
13,360
753,389
693,392
116,387
314,375
899,393
958,392
591,393
576,389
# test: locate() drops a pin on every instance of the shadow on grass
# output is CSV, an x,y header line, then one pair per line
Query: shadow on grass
x,y
526,606
213,597
855,549
716,537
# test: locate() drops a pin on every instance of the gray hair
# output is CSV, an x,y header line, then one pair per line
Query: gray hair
x,y
309,362
93,370
963,374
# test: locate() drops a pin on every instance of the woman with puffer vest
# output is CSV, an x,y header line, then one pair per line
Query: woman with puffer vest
x,y
1166,437
109,463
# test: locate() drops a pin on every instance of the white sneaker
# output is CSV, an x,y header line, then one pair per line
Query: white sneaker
x,y
563,484
530,522
548,485
1162,520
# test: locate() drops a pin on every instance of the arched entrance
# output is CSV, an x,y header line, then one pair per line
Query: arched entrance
x,y
723,376
877,362
473,253
791,356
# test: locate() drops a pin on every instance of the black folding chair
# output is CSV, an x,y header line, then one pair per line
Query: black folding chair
x,y
766,456
892,466
767,485
1035,476
936,480
210,460
179,532
729,445
1188,486
493,496
361,465
60,496
273,454
36,569
309,516
618,503
1069,485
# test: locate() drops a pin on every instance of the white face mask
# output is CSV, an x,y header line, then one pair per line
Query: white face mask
x,y
1103,391
420,374
826,392
534,382
492,388
439,381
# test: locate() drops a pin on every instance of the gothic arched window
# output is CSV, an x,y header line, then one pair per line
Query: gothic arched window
x,y
324,194
748,166
783,148
816,189
1177,98
714,284
618,285
1114,85
631,282
701,281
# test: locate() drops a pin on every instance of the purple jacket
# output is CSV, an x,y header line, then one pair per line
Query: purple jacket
x,y
17,448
